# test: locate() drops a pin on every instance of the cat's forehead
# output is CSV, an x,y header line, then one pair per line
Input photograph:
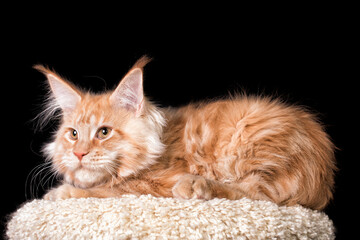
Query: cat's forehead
x,y
92,110
96,110
88,118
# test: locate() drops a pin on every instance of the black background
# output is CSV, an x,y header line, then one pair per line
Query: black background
x,y
303,57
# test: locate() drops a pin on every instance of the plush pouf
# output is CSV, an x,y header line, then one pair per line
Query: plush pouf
x,y
148,217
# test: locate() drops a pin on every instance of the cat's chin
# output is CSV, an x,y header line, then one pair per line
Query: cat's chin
x,y
83,178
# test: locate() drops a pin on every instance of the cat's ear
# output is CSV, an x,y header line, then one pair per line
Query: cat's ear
x,y
129,93
66,95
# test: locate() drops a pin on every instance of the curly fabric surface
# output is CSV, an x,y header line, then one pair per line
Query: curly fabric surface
x,y
148,217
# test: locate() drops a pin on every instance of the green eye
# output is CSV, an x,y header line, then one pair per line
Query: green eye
x,y
73,134
103,133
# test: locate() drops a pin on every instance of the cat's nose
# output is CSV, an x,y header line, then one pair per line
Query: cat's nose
x,y
80,155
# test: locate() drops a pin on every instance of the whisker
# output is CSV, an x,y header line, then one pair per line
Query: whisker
x,y
33,175
42,177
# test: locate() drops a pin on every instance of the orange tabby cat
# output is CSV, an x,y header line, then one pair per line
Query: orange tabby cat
x,y
118,142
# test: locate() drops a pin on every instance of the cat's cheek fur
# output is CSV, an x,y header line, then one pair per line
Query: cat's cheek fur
x,y
143,146
49,150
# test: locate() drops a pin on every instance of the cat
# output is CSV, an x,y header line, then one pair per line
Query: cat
x,y
118,142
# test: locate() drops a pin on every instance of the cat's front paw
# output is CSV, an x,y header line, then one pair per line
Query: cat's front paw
x,y
192,187
64,191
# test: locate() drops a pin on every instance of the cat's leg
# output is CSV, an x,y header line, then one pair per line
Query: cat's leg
x,y
68,191
252,186
194,186
65,191
132,186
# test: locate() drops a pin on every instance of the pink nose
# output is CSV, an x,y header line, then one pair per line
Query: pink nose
x,y
80,155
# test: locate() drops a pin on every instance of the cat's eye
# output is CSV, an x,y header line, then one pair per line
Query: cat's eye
x,y
103,132
73,134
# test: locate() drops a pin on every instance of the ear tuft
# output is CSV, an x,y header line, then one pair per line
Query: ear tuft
x,y
43,69
141,62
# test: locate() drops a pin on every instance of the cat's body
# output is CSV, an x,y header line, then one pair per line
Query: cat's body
x,y
118,142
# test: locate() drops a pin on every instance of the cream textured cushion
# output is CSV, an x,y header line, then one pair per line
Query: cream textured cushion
x,y
148,217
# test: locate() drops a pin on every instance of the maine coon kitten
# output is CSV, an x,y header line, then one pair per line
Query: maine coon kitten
x,y
118,142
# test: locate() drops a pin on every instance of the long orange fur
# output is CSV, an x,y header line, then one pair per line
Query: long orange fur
x,y
243,146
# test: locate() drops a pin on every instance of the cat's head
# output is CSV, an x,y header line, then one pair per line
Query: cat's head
x,y
103,136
